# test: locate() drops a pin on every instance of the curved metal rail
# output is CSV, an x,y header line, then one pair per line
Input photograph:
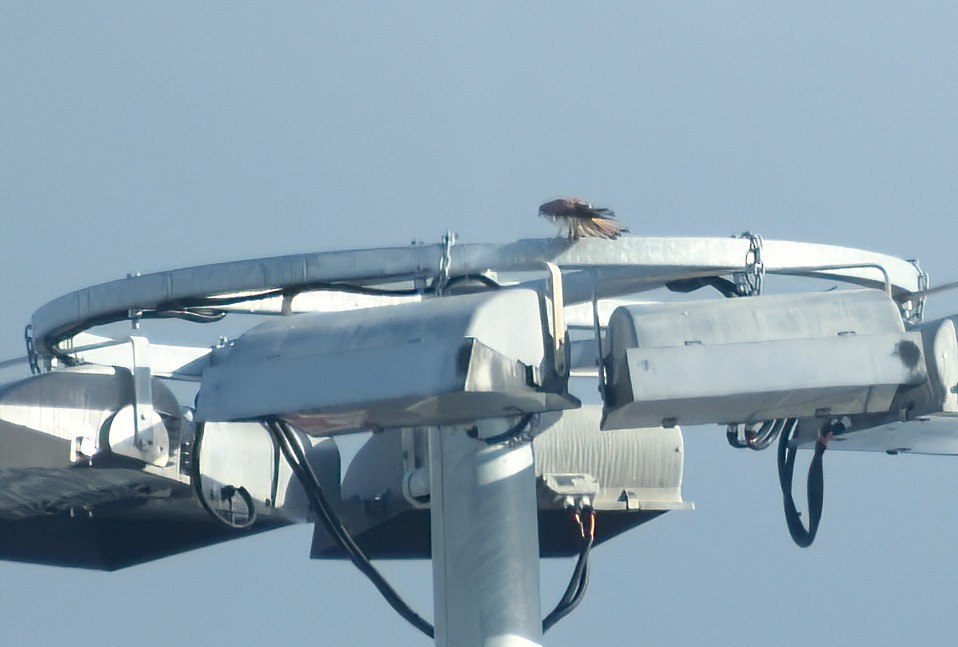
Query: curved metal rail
x,y
595,268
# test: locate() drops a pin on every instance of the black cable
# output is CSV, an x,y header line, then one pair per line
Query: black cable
x,y
816,486
480,278
731,435
204,309
227,491
583,584
727,288
193,315
351,288
579,582
513,432
756,440
298,462
296,458
766,435
575,590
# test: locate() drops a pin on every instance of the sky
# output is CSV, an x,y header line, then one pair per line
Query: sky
x,y
151,136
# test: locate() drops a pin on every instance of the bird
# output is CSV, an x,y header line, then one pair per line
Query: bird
x,y
582,219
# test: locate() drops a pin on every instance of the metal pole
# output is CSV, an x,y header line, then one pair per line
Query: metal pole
x,y
485,542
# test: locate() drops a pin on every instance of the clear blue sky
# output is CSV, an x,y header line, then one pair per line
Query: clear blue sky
x,y
148,136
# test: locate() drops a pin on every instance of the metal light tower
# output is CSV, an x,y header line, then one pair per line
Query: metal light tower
x,y
464,361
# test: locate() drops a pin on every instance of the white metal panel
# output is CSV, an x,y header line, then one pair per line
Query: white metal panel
x,y
735,383
242,454
68,404
636,468
441,361
936,435
941,353
779,317
758,358
922,420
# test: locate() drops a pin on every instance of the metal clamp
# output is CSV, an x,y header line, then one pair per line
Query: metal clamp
x,y
445,262
32,357
751,281
914,311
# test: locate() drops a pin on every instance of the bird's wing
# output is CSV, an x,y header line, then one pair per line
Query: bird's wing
x,y
582,209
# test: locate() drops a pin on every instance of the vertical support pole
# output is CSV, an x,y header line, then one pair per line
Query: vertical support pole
x,y
142,395
150,440
485,542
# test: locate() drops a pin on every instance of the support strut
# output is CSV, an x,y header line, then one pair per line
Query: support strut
x,y
485,542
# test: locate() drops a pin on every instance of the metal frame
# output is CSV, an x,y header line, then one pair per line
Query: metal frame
x,y
623,266
483,492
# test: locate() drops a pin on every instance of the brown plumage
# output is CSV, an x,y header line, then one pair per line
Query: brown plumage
x,y
581,219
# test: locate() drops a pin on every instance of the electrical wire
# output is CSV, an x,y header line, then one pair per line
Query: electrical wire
x,y
727,288
204,309
513,432
324,286
193,315
227,491
766,435
579,582
295,456
767,432
815,487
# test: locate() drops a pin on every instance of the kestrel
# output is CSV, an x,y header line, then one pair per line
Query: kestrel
x,y
581,219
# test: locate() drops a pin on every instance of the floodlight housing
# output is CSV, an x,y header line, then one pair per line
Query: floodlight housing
x,y
439,362
758,358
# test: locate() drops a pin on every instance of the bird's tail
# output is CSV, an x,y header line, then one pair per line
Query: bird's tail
x,y
600,228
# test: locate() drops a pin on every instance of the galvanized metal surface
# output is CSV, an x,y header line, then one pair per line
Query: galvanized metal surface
x,y
760,358
485,535
485,544
934,435
781,379
922,419
443,361
623,266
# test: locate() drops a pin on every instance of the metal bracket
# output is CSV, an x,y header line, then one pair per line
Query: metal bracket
x,y
597,330
415,461
147,438
886,278
142,393
557,316
137,430
572,491
630,499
